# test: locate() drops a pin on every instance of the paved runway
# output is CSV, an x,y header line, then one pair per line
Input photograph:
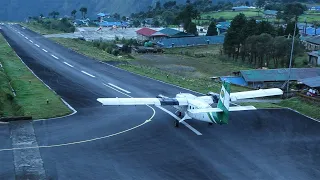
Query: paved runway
x,y
118,143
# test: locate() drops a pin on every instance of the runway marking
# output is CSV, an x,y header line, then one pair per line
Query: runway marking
x,y
44,50
88,74
119,88
26,37
37,45
54,56
165,110
31,41
68,64
177,118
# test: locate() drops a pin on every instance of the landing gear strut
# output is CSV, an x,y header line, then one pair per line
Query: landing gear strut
x,y
176,123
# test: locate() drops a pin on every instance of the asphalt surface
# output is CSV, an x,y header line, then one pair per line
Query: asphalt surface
x,y
118,143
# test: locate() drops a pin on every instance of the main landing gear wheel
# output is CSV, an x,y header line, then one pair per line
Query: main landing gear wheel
x,y
176,123
179,114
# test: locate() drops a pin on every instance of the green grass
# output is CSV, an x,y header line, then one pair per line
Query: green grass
x,y
86,48
7,107
32,94
302,106
310,17
203,85
229,15
39,28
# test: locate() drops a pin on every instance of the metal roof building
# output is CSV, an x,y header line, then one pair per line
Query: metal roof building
x,y
313,82
272,75
175,33
190,41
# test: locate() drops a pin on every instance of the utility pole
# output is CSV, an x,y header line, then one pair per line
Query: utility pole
x,y
290,65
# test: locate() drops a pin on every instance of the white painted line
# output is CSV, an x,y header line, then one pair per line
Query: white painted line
x,y
37,45
119,88
44,50
26,37
88,74
31,41
54,56
68,64
177,118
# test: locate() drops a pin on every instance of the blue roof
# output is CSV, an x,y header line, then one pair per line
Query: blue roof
x,y
310,31
190,41
169,31
223,25
311,82
234,80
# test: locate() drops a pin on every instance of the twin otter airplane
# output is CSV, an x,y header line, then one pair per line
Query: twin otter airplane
x,y
199,107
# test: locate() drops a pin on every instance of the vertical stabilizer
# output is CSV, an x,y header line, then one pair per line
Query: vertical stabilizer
x,y
224,103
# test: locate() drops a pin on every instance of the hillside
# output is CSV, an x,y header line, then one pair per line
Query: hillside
x,y
14,10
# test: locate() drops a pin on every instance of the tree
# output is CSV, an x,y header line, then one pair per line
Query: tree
x,y
212,30
158,5
290,29
54,14
192,29
169,4
124,18
83,11
280,31
73,13
266,27
260,3
168,17
116,16
293,10
136,23
187,15
41,16
247,3
156,23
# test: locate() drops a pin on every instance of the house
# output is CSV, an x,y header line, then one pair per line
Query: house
x,y
314,58
223,27
190,41
242,8
173,33
144,34
312,43
157,36
311,83
270,13
314,8
265,78
148,22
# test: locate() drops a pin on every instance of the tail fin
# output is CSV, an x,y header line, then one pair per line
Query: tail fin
x,y
224,103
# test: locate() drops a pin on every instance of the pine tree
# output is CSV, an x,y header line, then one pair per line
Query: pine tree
x,y
212,30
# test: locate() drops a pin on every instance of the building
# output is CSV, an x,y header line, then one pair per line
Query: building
x,y
242,8
314,58
314,8
173,33
270,13
223,27
313,83
312,43
190,41
144,34
276,77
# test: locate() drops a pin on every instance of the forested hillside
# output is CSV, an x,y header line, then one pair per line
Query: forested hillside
x,y
21,9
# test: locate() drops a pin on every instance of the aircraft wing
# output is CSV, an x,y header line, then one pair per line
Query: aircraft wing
x,y
255,94
143,101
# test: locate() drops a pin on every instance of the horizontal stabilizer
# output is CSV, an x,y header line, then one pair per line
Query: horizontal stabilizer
x,y
255,94
206,110
241,108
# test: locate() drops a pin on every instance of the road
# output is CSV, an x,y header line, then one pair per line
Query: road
x,y
141,142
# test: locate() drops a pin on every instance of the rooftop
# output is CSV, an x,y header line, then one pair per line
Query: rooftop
x,y
311,82
146,32
270,12
262,75
314,40
169,31
191,41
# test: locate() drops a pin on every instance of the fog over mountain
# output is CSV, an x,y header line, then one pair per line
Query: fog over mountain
x,y
21,9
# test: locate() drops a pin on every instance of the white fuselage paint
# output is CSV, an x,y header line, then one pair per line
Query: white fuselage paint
x,y
194,102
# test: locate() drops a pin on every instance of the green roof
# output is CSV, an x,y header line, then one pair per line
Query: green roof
x,y
175,33
263,75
